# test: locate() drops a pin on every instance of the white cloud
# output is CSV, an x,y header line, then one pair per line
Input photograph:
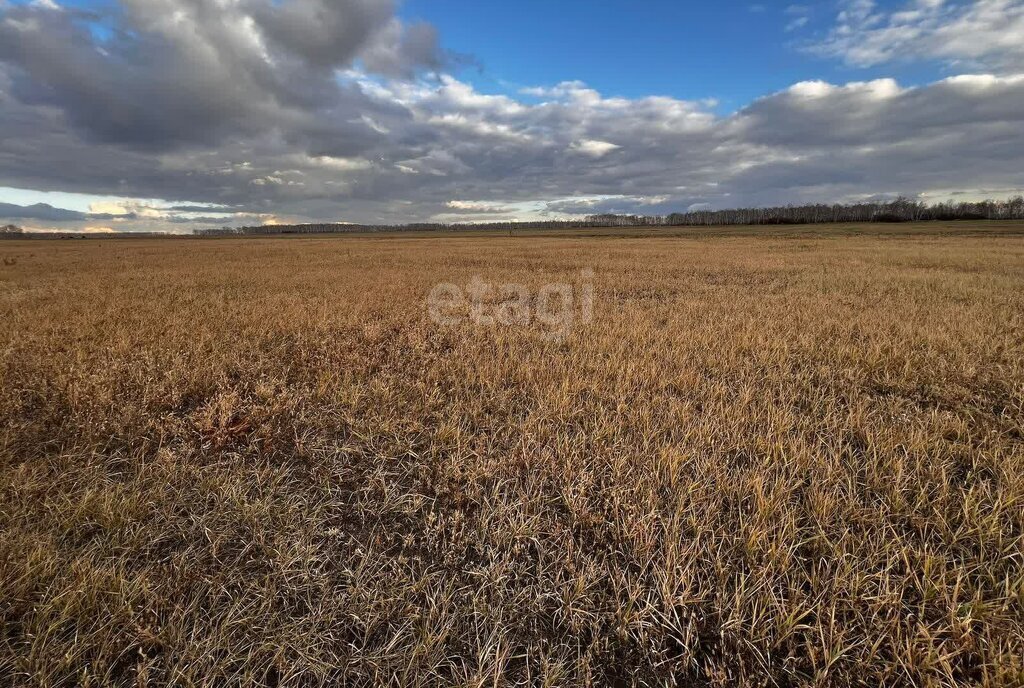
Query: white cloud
x,y
797,23
484,207
593,148
987,34
335,163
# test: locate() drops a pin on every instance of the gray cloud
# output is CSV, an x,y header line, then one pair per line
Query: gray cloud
x,y
309,110
39,211
200,71
322,33
200,209
48,213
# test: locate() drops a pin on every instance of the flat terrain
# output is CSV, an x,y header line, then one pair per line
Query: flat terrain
x,y
788,457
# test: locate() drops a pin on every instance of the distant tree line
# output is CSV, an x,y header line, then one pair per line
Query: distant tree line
x,y
334,228
898,210
10,230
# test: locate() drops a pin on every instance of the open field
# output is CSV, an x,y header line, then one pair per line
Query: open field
x,y
786,458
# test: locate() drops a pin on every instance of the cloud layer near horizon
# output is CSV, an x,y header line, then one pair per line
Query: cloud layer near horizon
x,y
324,110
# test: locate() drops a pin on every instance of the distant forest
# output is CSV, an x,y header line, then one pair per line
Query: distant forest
x,y
899,210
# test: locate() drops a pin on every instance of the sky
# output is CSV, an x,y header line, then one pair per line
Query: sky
x,y
170,115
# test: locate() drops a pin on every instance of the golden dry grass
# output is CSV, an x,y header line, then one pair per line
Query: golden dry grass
x,y
767,461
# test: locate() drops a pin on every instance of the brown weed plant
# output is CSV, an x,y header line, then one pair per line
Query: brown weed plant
x,y
767,461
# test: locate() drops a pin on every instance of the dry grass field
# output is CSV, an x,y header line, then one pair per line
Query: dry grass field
x,y
789,459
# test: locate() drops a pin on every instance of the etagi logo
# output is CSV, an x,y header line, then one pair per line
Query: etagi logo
x,y
554,306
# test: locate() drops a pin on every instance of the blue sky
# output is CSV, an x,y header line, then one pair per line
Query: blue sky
x,y
176,114
730,51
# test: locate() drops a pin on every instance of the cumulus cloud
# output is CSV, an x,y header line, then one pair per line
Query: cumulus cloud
x,y
199,71
242,111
